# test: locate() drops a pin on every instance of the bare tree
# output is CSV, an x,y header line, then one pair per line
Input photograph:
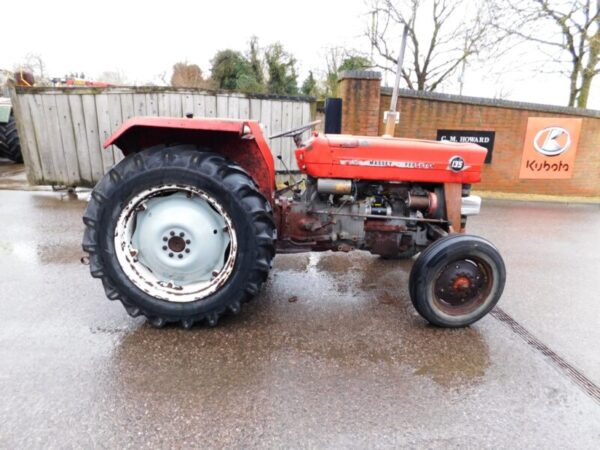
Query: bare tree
x,y
35,62
187,75
568,34
162,77
338,59
333,60
443,36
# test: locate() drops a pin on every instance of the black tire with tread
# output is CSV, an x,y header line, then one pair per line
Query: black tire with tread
x,y
440,253
228,183
10,146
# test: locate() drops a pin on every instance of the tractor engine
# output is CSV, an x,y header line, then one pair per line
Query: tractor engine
x,y
385,218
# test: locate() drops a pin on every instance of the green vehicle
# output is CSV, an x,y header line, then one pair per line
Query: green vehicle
x,y
9,139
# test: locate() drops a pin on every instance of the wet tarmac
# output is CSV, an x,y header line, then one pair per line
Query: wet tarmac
x,y
12,176
330,355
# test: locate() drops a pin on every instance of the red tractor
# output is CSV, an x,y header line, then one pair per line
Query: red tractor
x,y
184,229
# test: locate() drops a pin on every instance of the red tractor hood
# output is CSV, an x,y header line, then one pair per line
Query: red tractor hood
x,y
391,159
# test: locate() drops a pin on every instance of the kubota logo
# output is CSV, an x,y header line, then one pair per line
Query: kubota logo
x,y
552,141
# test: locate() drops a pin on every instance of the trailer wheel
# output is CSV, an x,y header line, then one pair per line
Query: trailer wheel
x,y
179,235
457,280
10,146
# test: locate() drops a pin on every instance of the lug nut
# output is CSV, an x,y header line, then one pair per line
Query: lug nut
x,y
180,256
170,255
187,250
215,231
172,233
164,247
182,234
165,238
187,241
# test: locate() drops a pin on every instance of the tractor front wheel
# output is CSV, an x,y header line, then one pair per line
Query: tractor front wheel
x,y
179,235
457,280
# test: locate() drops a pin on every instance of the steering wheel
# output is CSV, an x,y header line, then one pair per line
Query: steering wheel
x,y
295,132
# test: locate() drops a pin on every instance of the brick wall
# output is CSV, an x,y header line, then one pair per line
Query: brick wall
x,y
422,114
359,110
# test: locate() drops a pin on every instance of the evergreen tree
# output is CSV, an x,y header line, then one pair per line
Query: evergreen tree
x,y
281,67
309,87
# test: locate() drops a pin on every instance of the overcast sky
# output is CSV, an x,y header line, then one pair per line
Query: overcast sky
x,y
145,38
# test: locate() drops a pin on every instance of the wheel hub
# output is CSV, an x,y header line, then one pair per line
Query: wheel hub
x,y
460,284
176,243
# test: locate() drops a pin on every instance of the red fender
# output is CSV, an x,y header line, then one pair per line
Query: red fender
x,y
241,141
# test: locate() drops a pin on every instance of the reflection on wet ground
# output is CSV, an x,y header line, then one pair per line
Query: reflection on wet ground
x,y
12,176
379,287
348,363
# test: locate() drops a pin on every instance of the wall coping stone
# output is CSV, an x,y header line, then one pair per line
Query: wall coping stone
x,y
359,74
483,101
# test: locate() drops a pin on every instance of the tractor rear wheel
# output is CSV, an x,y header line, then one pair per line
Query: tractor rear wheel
x,y
179,235
457,280
10,146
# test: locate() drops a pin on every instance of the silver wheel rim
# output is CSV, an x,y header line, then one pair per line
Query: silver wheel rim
x,y
176,243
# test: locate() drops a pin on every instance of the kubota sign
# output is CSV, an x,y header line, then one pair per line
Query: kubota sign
x,y
550,147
